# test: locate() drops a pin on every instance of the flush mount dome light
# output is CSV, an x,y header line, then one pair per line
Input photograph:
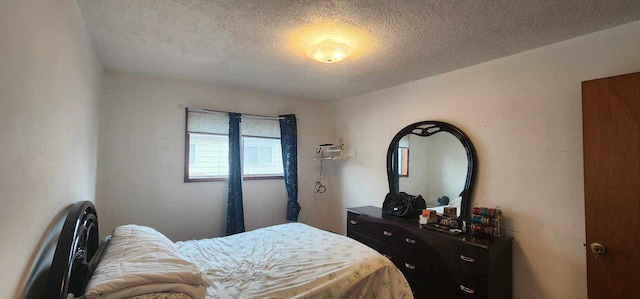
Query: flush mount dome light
x,y
329,51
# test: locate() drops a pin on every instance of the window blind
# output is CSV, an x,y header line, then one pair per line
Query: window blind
x,y
207,123
218,123
259,127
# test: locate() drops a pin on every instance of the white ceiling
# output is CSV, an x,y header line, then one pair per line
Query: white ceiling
x,y
252,45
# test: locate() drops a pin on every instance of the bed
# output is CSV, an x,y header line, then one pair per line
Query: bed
x,y
284,261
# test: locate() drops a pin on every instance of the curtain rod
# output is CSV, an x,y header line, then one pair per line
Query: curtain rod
x,y
257,116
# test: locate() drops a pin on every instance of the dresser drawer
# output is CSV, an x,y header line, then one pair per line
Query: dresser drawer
x,y
418,269
470,289
427,279
437,265
436,250
389,252
361,224
375,229
470,261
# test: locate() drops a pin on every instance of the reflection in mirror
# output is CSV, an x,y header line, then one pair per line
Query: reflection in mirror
x,y
403,157
438,165
435,160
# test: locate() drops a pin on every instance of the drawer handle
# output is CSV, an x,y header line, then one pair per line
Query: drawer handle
x,y
468,290
353,222
388,234
412,241
386,255
409,266
467,259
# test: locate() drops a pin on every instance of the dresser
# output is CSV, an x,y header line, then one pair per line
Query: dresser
x,y
436,264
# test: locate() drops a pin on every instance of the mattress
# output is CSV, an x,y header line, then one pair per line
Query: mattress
x,y
293,261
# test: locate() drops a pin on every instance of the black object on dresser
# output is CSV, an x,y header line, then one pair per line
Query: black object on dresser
x,y
436,265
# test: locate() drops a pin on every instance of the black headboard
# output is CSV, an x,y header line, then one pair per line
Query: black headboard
x,y
77,244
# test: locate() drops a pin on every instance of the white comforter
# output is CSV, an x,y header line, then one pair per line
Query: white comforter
x,y
293,261
140,261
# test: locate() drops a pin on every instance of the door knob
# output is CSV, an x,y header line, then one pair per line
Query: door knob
x,y
598,248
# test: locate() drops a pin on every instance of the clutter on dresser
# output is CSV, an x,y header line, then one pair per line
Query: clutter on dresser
x,y
451,211
486,221
448,222
403,205
428,217
437,264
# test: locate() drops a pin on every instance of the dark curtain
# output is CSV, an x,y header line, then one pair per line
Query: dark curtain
x,y
235,214
289,144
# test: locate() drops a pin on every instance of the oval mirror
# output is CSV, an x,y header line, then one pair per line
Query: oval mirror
x,y
435,160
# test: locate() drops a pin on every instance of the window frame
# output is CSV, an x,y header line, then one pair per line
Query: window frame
x,y
188,179
404,154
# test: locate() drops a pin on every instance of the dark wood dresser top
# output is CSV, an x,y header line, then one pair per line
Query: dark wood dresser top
x,y
412,223
437,264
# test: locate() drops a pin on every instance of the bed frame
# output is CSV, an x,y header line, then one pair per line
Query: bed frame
x,y
78,242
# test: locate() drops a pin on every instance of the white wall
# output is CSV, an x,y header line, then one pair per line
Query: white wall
x,y
142,158
50,81
523,114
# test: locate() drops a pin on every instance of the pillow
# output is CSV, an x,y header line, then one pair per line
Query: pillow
x,y
443,201
140,260
93,263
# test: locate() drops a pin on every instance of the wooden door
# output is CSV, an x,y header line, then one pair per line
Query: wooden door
x,y
611,127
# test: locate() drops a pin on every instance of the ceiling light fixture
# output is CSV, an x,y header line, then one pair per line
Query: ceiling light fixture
x,y
329,51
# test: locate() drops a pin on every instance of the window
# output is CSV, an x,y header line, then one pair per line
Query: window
x,y
403,156
262,157
207,157
192,153
257,154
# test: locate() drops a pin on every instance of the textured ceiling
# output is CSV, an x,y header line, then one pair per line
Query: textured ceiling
x,y
260,45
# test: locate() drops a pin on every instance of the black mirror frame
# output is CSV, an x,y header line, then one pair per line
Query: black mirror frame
x,y
424,132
